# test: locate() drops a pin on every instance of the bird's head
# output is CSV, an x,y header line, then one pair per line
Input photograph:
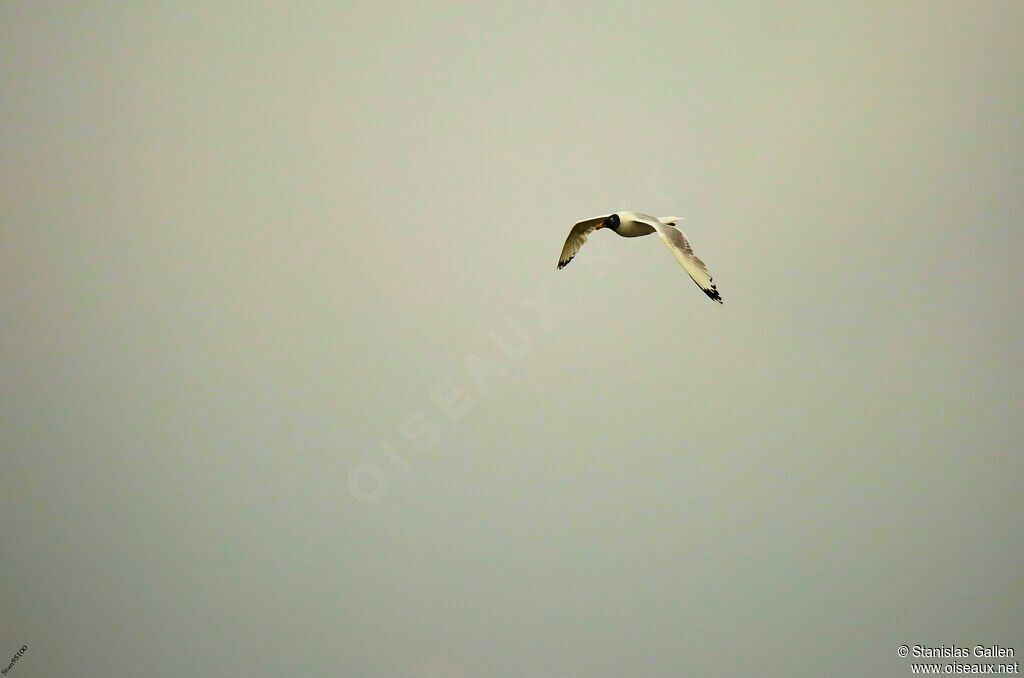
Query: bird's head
x,y
611,222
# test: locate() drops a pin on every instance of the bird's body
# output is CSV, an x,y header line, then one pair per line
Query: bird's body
x,y
630,227
635,225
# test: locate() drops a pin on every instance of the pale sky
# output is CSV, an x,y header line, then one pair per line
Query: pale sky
x,y
291,386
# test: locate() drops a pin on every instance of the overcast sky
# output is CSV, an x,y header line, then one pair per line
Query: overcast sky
x,y
290,384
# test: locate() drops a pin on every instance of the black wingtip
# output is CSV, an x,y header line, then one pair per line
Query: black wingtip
x,y
713,293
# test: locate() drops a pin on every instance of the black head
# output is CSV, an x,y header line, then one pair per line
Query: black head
x,y
611,222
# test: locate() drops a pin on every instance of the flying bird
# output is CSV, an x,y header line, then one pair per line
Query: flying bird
x,y
634,225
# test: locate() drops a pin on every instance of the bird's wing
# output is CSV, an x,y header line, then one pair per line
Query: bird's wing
x,y
681,250
577,236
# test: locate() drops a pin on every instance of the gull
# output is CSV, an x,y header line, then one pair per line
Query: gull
x,y
634,225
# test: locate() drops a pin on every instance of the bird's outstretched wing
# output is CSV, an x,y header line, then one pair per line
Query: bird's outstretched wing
x,y
577,236
681,250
